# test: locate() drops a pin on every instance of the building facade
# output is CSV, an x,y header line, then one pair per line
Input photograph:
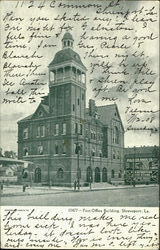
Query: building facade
x,y
65,140
141,164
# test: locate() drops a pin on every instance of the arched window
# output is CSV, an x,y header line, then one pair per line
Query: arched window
x,y
89,174
104,175
60,173
115,135
112,173
97,174
37,175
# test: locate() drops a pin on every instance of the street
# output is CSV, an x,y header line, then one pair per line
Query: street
x,y
133,197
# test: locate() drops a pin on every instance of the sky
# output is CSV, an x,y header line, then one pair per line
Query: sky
x,y
11,113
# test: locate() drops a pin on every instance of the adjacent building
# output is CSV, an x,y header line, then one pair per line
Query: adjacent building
x,y
141,164
65,140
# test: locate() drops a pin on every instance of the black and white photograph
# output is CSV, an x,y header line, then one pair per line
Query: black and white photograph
x,y
79,145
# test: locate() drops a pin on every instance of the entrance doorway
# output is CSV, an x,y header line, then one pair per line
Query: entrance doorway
x,y
97,175
37,175
104,175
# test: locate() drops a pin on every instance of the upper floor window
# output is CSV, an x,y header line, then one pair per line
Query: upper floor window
x,y
25,151
25,133
112,173
73,107
115,135
56,130
40,113
40,150
64,129
56,149
81,129
78,101
64,148
42,130
76,128
38,131
81,149
150,164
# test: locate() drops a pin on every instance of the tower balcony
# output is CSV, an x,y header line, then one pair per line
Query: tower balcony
x,y
66,74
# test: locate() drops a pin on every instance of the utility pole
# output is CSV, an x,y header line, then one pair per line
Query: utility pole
x,y
78,168
134,163
49,160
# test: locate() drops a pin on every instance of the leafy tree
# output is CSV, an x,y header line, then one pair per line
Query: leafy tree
x,y
10,154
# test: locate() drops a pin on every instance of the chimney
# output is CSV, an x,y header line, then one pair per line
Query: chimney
x,y
92,107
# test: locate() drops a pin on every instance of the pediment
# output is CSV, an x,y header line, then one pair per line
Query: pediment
x,y
41,111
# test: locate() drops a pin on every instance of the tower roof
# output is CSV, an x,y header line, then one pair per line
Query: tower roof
x,y
67,36
66,55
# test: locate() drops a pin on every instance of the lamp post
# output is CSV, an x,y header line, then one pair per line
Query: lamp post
x,y
134,163
90,177
78,168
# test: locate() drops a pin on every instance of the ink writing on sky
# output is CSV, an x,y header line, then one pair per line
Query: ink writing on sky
x,y
117,42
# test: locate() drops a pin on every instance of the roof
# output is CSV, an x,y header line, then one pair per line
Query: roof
x,y
11,160
45,108
107,113
67,36
144,151
66,55
26,118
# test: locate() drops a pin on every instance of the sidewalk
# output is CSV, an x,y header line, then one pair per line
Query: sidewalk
x,y
18,190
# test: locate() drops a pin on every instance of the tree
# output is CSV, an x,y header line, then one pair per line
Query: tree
x,y
10,154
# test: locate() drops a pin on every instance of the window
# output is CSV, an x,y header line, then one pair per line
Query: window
x,y
115,135
56,131
76,128
25,152
64,148
150,164
100,153
81,129
81,149
40,114
40,150
56,149
112,173
120,174
25,133
114,155
118,155
78,101
93,152
38,131
73,107
60,173
43,131
64,129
